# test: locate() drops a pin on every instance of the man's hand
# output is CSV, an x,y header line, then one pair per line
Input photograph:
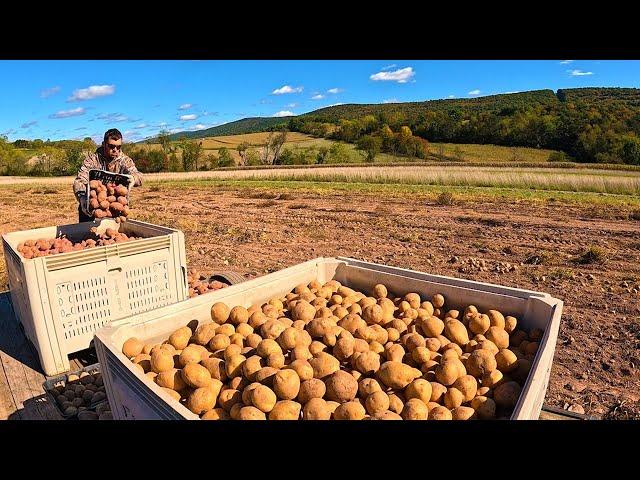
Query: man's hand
x,y
82,198
131,181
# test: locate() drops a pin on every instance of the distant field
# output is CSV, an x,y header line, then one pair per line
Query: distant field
x,y
450,151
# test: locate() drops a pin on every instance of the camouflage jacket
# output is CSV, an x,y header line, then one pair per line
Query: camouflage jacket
x,y
96,160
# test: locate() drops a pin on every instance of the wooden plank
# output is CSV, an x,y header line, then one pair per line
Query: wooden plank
x,y
7,405
22,371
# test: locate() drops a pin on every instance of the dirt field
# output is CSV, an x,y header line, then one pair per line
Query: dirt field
x,y
522,244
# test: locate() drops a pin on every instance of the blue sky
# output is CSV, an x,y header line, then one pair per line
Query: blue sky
x,y
75,99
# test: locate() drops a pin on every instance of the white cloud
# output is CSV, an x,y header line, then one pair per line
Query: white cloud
x,y
474,92
113,117
162,124
578,73
93,91
317,97
334,90
142,125
391,100
335,104
185,106
29,124
68,113
389,67
175,130
283,113
191,116
49,91
515,91
287,89
199,126
451,96
291,105
565,62
402,75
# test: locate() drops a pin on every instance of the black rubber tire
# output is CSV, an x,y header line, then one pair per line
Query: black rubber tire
x,y
230,278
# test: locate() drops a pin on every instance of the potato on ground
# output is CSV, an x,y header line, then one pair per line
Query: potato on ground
x,y
377,402
309,389
286,384
397,375
316,409
341,387
349,411
285,410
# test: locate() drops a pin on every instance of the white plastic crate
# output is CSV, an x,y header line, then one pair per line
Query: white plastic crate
x,y
133,396
61,300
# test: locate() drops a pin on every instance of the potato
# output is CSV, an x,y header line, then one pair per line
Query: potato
x,y
286,384
453,398
228,398
180,338
510,324
263,398
303,368
204,333
234,365
493,379
220,313
496,319
143,359
414,409
215,414
506,360
479,324
438,300
349,411
521,372
251,413
252,366
394,353
506,395
132,347
257,319
481,362
468,385
252,340
447,372
201,400
303,311
343,348
234,412
396,402
244,329
161,361
440,413
367,363
392,334
516,338
377,402
341,387
309,389
267,347
379,291
275,360
484,407
464,413
318,327
373,314
413,341
437,392
498,336
397,375
288,339
324,364
171,379
189,355
196,376
172,393
455,331
487,345
317,347
216,368
531,348
265,376
301,352
432,327
285,410
316,409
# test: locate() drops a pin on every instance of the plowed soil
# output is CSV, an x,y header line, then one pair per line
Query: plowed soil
x,y
533,246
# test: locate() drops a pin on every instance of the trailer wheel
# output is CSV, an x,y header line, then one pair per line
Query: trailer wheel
x,y
230,278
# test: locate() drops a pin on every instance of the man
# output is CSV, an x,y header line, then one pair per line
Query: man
x,y
108,157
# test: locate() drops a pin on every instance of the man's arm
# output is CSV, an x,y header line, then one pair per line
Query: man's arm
x,y
82,180
129,168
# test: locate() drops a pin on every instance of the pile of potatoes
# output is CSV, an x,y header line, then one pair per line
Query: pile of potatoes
x,y
78,394
329,352
52,246
108,200
200,284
